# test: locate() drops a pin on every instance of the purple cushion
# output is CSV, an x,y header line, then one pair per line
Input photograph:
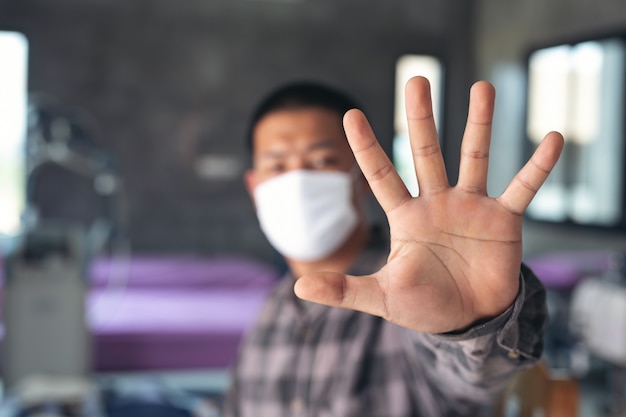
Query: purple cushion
x,y
182,271
564,270
179,329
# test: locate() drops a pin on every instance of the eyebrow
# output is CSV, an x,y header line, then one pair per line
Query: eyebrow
x,y
325,144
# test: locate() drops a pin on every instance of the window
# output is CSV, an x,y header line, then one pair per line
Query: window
x,y
13,104
409,66
578,89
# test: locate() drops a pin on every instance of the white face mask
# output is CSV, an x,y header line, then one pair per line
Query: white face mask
x,y
306,215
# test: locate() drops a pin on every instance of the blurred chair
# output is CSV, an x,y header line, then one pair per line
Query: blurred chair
x,y
598,314
535,393
561,272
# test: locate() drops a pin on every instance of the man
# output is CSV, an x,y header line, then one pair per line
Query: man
x,y
438,327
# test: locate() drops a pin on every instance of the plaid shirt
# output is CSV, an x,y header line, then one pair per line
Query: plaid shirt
x,y
305,359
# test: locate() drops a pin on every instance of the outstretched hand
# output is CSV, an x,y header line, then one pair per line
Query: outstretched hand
x,y
455,252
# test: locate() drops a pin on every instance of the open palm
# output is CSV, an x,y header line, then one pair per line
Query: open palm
x,y
455,252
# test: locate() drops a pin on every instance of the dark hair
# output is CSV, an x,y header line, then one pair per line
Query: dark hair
x,y
298,95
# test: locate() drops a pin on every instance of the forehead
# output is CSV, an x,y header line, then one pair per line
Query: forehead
x,y
299,129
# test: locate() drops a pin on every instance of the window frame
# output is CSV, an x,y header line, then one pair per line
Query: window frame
x,y
619,226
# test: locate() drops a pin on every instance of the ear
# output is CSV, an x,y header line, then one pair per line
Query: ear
x,y
250,180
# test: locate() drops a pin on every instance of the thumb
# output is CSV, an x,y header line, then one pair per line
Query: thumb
x,y
345,291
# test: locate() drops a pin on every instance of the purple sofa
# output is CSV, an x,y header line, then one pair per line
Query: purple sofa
x,y
173,312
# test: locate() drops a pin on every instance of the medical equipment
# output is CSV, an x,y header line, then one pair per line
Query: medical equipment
x,y
598,317
46,353
46,350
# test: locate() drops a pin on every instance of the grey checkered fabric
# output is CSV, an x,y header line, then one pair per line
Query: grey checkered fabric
x,y
304,359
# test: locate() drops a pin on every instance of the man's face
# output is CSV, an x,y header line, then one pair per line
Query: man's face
x,y
310,138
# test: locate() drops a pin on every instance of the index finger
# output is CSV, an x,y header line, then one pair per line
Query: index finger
x,y
386,184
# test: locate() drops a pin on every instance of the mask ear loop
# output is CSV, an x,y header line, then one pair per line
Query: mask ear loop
x,y
355,171
360,191
356,175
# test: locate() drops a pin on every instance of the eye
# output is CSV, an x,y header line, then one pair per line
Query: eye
x,y
275,168
325,162
271,167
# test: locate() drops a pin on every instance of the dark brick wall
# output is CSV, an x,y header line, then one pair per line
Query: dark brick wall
x,y
168,82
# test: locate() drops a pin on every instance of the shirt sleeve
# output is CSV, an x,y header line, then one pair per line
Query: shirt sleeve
x,y
474,366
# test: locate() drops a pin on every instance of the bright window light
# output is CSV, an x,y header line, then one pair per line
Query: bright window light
x,y
579,90
13,107
409,66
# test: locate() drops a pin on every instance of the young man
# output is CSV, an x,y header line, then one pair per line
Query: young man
x,y
434,326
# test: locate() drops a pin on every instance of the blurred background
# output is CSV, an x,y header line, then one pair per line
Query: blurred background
x,y
127,121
